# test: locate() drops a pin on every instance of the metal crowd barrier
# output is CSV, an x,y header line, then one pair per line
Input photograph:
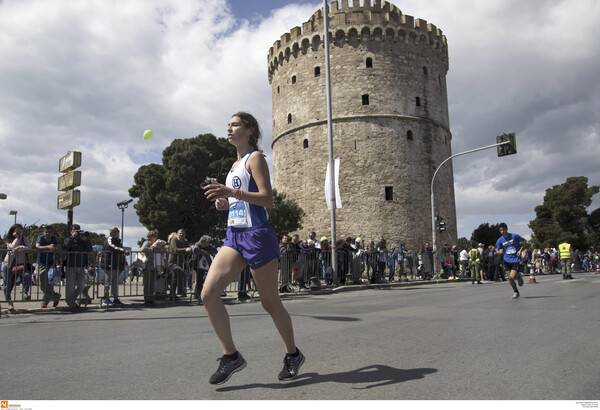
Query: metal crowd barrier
x,y
311,269
174,280
298,271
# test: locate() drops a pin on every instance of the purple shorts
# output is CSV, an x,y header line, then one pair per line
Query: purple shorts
x,y
258,245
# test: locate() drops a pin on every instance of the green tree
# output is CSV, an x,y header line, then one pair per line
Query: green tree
x,y
286,215
563,216
171,194
463,242
594,229
486,234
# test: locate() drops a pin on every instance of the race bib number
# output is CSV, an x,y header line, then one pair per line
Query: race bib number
x,y
237,214
510,249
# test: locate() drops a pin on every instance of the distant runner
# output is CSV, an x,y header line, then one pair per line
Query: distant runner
x,y
511,245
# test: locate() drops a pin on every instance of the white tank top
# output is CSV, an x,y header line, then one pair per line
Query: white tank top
x,y
241,213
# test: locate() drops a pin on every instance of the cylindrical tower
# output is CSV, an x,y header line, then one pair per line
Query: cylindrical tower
x,y
390,123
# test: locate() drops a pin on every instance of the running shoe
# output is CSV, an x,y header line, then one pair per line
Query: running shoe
x,y
520,280
515,295
117,302
291,366
107,303
226,368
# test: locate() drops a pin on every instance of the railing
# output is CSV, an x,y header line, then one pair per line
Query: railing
x,y
86,274
82,277
311,269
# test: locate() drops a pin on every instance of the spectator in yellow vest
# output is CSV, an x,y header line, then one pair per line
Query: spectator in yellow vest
x,y
474,265
565,260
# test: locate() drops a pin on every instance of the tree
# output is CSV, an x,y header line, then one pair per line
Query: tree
x,y
594,228
286,215
486,234
463,242
563,216
170,194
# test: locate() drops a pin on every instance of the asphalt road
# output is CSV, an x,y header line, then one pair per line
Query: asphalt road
x,y
441,342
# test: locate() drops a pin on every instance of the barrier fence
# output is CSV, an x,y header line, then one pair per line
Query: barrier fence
x,y
299,271
183,276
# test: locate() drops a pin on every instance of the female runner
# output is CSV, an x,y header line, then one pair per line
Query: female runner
x,y
250,241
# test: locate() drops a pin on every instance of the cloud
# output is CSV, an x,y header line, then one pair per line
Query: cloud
x,y
525,67
93,75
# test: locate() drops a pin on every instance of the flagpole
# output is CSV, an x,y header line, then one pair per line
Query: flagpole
x,y
332,199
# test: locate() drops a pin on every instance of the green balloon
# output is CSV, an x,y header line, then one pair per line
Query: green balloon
x,y
147,134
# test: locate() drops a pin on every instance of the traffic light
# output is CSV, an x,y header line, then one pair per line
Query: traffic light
x,y
507,149
440,224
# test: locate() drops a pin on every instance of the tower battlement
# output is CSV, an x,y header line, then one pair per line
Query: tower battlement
x,y
356,25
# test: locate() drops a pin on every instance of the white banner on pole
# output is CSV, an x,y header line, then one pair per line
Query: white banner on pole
x,y
338,199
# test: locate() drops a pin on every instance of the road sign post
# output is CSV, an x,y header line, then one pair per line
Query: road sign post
x,y
69,179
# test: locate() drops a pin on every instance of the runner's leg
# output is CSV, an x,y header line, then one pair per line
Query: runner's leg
x,y
227,264
265,278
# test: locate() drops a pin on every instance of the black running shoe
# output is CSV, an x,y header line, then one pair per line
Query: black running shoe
x,y
226,368
520,280
291,366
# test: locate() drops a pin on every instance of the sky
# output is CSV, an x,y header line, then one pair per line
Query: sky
x,y
93,75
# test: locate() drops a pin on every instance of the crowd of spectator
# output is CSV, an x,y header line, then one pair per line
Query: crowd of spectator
x,y
547,261
171,269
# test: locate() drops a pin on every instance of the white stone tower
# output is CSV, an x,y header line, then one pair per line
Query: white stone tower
x,y
390,123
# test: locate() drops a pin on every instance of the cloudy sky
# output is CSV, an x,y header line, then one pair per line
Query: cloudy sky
x,y
92,75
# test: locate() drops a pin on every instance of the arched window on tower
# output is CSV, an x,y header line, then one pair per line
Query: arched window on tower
x,y
369,62
317,71
305,143
277,89
424,70
418,101
365,34
365,99
289,118
293,79
409,135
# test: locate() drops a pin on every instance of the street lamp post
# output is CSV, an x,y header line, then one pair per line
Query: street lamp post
x,y
15,214
122,205
505,142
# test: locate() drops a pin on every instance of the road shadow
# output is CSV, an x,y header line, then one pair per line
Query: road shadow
x,y
332,318
538,297
376,375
